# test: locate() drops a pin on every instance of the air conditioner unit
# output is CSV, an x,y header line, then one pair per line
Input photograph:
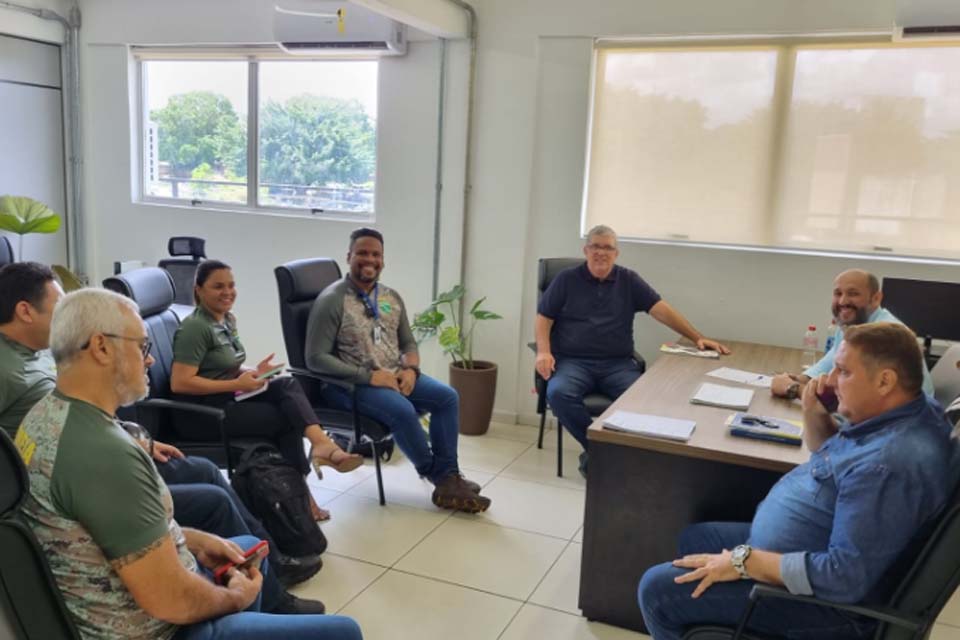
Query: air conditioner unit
x,y
312,28
927,34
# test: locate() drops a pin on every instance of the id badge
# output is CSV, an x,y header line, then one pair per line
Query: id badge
x,y
377,334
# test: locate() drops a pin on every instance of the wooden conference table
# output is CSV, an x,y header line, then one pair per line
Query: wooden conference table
x,y
641,492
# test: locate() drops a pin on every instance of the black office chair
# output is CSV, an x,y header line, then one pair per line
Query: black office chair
x,y
925,577
170,420
298,284
596,403
183,270
31,604
6,251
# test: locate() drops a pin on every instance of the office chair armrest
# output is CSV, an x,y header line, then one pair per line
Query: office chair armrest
x,y
175,405
306,373
880,613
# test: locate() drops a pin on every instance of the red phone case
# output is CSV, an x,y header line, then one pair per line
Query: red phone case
x,y
254,554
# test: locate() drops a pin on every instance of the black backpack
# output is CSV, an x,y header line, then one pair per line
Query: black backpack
x,y
277,494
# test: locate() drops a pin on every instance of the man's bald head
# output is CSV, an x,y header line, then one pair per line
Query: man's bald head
x,y
856,295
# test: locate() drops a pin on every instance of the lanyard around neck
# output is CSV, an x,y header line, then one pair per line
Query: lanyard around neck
x,y
372,305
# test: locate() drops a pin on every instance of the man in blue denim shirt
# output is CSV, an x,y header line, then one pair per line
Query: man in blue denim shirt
x,y
834,525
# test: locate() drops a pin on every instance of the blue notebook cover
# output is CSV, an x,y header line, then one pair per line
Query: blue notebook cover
x,y
746,425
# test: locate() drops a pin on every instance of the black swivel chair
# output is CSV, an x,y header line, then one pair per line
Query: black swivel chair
x,y
596,403
170,420
31,605
925,576
6,251
182,269
298,284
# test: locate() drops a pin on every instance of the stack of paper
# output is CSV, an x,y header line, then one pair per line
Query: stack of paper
x,y
716,395
743,377
673,347
652,426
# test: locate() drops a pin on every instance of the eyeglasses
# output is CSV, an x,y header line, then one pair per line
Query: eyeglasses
x,y
601,248
145,343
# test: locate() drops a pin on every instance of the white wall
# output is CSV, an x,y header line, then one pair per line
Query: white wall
x,y
16,23
530,141
254,244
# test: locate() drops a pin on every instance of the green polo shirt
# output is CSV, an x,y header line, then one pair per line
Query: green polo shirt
x,y
213,347
25,377
95,498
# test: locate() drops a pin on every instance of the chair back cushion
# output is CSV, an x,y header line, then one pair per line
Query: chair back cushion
x,y
152,289
29,598
934,574
6,251
549,268
946,376
182,273
298,284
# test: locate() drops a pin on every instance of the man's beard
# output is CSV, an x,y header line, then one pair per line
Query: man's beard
x,y
126,395
860,317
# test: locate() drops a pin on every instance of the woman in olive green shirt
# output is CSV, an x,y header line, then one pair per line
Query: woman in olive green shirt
x,y
208,362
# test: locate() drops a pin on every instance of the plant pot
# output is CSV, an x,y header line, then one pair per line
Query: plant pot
x,y
477,388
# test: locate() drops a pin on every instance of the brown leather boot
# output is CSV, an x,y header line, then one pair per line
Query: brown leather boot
x,y
453,493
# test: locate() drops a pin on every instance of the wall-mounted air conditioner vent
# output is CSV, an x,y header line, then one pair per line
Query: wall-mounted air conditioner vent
x,y
312,28
934,33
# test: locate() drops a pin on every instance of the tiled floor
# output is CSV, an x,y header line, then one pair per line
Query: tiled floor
x,y
410,570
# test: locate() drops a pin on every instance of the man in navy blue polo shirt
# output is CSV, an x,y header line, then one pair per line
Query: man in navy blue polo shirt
x,y
584,331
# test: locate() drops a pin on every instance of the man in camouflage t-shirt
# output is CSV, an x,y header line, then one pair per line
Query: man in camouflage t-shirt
x,y
358,331
102,513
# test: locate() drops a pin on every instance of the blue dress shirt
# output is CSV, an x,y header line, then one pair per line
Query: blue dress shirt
x,y
842,518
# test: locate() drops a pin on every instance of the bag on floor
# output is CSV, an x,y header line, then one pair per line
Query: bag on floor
x,y
276,493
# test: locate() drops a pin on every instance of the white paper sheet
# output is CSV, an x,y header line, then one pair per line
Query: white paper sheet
x,y
653,426
743,377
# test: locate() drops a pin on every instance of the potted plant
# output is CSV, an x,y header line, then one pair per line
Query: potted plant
x,y
474,380
21,215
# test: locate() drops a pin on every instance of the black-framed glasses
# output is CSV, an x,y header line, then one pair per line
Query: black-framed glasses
x,y
145,343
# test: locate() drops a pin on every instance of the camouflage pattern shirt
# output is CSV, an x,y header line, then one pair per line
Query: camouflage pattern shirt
x,y
96,501
347,339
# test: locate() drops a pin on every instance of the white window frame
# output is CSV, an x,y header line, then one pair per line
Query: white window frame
x,y
789,44
252,56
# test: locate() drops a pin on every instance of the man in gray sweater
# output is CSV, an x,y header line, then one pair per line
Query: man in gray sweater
x,y
358,331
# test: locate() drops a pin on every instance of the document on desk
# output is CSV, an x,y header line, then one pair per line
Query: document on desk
x,y
673,347
717,395
652,426
743,377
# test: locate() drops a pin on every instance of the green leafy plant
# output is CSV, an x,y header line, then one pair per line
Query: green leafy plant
x,y
455,339
21,215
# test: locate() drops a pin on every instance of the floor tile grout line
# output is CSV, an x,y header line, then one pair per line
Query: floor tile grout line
x,y
421,540
505,526
385,571
407,572
541,482
511,620
549,569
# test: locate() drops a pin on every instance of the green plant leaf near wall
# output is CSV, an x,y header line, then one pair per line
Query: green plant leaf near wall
x,y
22,215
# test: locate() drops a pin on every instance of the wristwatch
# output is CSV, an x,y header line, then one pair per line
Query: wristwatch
x,y
793,391
739,556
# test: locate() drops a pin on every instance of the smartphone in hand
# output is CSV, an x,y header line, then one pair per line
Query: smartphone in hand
x,y
252,557
829,399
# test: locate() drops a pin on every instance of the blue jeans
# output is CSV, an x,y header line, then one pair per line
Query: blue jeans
x,y
668,608
574,378
204,500
253,625
433,460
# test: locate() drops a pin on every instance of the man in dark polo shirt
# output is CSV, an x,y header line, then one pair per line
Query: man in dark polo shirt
x,y
584,331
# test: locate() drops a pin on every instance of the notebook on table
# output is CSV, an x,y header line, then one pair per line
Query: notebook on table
x,y
651,426
745,425
718,395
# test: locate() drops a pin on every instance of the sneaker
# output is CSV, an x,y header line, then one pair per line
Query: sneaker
x,y
291,604
453,493
291,571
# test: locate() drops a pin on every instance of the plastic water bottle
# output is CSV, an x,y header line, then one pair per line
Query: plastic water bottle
x,y
831,336
809,346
